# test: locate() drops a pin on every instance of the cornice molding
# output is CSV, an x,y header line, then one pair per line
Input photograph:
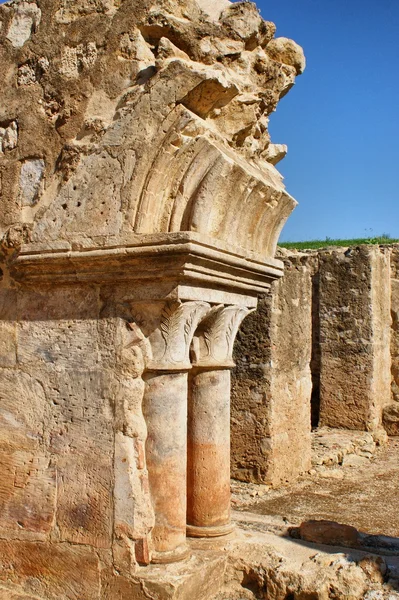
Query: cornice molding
x,y
184,259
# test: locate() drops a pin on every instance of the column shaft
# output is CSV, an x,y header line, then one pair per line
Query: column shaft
x,y
165,407
208,481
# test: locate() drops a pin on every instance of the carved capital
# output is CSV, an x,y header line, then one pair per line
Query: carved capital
x,y
169,328
214,340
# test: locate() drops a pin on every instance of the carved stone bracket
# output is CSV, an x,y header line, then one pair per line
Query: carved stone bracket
x,y
214,340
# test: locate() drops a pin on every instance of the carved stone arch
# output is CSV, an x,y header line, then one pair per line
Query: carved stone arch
x,y
196,183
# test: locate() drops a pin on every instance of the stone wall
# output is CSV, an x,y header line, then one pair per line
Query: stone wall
x,y
391,412
73,484
395,325
354,310
326,354
272,382
133,140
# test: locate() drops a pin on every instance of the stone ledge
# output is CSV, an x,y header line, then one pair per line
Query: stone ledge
x,y
183,260
254,561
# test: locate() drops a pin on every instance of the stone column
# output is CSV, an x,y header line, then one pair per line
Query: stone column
x,y
208,482
165,409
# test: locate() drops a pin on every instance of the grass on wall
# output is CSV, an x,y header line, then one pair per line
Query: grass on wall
x,y
313,244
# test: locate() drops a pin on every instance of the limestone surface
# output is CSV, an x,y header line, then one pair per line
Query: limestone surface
x,y
141,117
331,324
272,382
133,141
355,332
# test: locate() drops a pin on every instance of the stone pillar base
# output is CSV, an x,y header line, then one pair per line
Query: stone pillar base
x,y
176,555
210,532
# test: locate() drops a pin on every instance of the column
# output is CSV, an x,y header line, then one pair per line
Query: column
x,y
165,409
208,481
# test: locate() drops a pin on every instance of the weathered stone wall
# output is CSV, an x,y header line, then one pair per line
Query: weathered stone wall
x,y
354,337
133,137
272,382
391,412
395,324
330,328
74,486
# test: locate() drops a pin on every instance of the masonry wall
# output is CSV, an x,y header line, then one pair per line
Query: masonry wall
x,y
272,383
73,482
395,324
322,350
391,411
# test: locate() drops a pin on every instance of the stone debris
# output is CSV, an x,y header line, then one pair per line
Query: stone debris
x,y
287,52
8,137
336,447
330,494
329,533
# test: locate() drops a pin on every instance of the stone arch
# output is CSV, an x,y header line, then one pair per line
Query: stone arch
x,y
195,183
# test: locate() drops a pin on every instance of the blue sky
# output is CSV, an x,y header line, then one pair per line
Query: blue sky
x,y
341,121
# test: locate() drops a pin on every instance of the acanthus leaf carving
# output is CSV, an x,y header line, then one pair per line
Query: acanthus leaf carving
x,y
216,335
177,326
170,321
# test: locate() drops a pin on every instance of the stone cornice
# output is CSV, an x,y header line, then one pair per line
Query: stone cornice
x,y
184,259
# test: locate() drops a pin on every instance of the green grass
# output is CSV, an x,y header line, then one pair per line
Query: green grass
x,y
313,244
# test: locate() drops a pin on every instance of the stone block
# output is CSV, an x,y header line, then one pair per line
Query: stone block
x,y
390,419
329,533
354,316
84,503
271,385
22,411
28,492
8,344
49,571
119,588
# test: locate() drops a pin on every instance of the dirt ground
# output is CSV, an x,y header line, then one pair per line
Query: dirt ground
x,y
365,495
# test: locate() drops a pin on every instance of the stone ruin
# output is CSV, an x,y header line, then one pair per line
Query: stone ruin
x,y
322,349
140,210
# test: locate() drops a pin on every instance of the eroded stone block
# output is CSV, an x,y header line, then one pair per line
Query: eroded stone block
x,y
354,305
272,383
49,571
28,492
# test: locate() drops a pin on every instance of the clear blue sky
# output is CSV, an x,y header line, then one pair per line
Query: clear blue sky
x,y
341,120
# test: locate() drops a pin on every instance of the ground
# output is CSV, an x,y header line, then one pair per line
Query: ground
x,y
365,495
260,560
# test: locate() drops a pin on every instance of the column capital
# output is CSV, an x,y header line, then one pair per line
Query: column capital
x,y
214,339
169,327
